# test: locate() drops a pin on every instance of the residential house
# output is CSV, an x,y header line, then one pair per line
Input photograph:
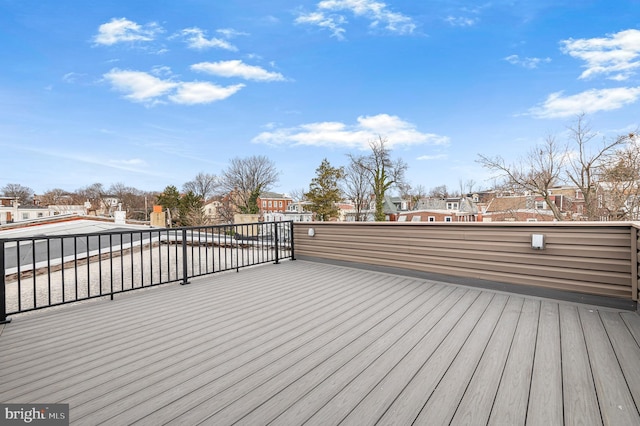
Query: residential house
x,y
452,209
213,209
519,208
272,202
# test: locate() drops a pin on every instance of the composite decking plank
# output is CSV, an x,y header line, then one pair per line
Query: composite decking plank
x,y
407,405
98,330
167,385
97,357
545,397
154,362
145,330
360,399
344,388
180,396
234,403
632,320
626,349
121,312
476,404
281,340
225,285
616,403
510,404
327,378
443,402
580,400
87,310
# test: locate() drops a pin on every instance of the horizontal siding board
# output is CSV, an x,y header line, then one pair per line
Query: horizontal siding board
x,y
483,263
587,258
530,257
567,285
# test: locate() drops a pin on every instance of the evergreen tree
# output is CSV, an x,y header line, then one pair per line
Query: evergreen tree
x,y
190,210
170,200
324,191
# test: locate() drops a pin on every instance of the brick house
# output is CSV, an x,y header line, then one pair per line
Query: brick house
x,y
272,202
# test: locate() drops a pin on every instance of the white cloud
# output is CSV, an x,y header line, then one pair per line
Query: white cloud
x,y
196,39
139,86
329,14
73,77
128,164
529,63
145,88
231,33
433,157
367,128
202,93
461,21
123,30
331,23
237,68
556,105
617,56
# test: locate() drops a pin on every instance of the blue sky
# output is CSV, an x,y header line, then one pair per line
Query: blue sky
x,y
149,93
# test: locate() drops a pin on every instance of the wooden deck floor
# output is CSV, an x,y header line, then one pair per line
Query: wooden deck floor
x,y
308,343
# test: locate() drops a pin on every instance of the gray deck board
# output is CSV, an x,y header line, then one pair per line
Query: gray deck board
x,y
476,404
579,393
545,397
304,342
510,404
616,403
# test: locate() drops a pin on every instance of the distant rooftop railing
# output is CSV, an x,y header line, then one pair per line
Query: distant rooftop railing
x,y
44,271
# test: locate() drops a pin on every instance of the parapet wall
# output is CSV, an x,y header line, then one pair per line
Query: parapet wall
x,y
598,258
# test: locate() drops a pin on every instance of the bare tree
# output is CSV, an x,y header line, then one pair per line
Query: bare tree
x,y
357,187
24,194
246,178
94,194
417,194
620,182
538,172
204,185
297,194
466,187
56,196
382,171
586,162
440,192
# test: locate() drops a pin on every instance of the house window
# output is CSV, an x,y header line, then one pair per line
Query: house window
x,y
452,206
416,219
431,219
270,204
540,205
280,204
25,216
40,214
264,203
447,218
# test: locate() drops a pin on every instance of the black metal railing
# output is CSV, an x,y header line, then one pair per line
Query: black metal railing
x,y
43,271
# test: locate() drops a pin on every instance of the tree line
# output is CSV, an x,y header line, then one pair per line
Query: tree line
x,y
605,171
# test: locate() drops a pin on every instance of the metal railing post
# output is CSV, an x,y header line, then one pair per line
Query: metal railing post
x,y
275,224
293,253
185,278
3,296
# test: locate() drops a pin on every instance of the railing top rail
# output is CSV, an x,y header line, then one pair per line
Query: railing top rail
x,y
583,224
130,231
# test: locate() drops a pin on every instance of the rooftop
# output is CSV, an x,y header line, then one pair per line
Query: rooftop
x,y
324,344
